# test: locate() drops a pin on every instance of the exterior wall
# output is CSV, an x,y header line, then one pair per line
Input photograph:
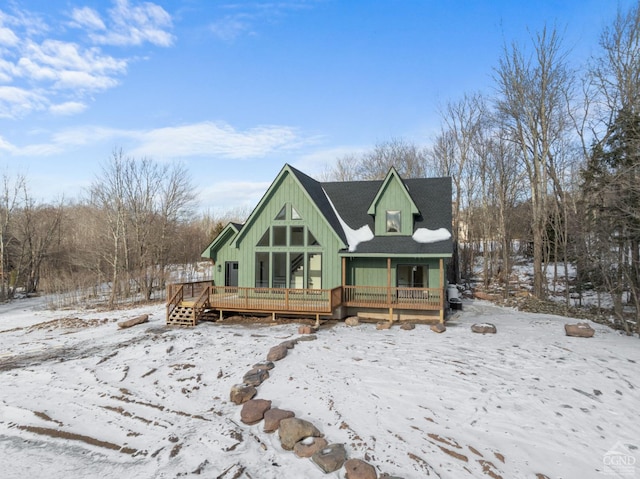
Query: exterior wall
x,y
373,271
287,192
394,198
226,253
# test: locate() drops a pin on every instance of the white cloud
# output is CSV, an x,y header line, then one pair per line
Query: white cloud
x,y
16,102
230,28
7,37
215,139
135,25
67,108
87,17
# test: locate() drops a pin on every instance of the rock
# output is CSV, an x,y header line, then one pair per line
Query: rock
x,y
255,377
268,365
383,325
352,321
387,476
290,344
276,353
309,446
305,329
308,337
132,322
272,418
330,458
438,328
358,469
579,330
253,411
483,328
292,429
407,326
241,393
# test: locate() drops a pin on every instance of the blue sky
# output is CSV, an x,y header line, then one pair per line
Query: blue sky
x,y
234,89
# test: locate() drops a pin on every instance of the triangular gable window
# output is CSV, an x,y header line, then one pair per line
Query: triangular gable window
x,y
282,214
264,241
294,214
311,240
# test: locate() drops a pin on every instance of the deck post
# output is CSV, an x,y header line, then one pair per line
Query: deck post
x,y
442,289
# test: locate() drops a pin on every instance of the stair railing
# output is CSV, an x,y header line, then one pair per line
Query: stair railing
x,y
200,304
175,299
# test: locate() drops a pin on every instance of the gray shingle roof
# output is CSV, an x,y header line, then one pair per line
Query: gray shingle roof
x,y
351,199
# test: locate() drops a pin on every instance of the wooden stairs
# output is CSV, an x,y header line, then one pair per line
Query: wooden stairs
x,y
185,315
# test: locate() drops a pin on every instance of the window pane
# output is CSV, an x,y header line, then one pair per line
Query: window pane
x,y
311,240
279,236
315,271
297,236
296,269
294,214
262,270
282,214
264,241
279,270
393,222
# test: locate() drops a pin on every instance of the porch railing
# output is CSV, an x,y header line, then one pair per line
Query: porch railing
x,y
394,297
274,299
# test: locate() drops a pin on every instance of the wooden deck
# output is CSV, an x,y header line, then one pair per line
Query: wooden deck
x,y
187,302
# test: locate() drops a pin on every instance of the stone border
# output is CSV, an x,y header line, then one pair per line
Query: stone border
x,y
296,435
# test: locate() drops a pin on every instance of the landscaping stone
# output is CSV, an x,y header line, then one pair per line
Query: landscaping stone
x,y
330,458
387,476
292,430
308,337
352,321
305,329
253,411
358,469
290,344
268,365
407,326
241,393
276,353
484,328
438,328
309,446
579,330
272,418
384,325
256,377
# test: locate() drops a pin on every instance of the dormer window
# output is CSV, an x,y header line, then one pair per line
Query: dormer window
x,y
393,221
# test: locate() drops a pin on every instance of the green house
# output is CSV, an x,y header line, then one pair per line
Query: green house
x,y
376,249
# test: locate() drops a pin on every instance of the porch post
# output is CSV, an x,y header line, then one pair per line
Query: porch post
x,y
442,290
389,289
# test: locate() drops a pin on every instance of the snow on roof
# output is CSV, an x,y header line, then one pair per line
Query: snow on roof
x,y
425,235
354,237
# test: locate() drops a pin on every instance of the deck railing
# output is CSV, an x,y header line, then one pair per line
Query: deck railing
x,y
394,297
203,295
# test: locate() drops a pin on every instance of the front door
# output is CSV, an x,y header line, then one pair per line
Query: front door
x,y
231,273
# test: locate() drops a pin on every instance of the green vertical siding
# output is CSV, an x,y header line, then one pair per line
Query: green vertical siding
x,y
394,198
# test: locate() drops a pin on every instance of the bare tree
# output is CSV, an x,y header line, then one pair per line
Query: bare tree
x,y
532,102
10,201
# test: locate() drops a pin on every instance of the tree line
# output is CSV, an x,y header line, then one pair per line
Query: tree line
x,y
547,166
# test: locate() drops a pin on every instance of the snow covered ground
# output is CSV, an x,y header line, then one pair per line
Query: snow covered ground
x,y
81,398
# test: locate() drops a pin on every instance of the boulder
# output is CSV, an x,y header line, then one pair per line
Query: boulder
x,y
483,328
255,377
306,329
330,458
272,418
241,393
309,446
292,430
289,344
276,353
132,322
268,365
308,337
438,328
384,325
408,326
579,330
352,321
358,469
253,410
387,476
